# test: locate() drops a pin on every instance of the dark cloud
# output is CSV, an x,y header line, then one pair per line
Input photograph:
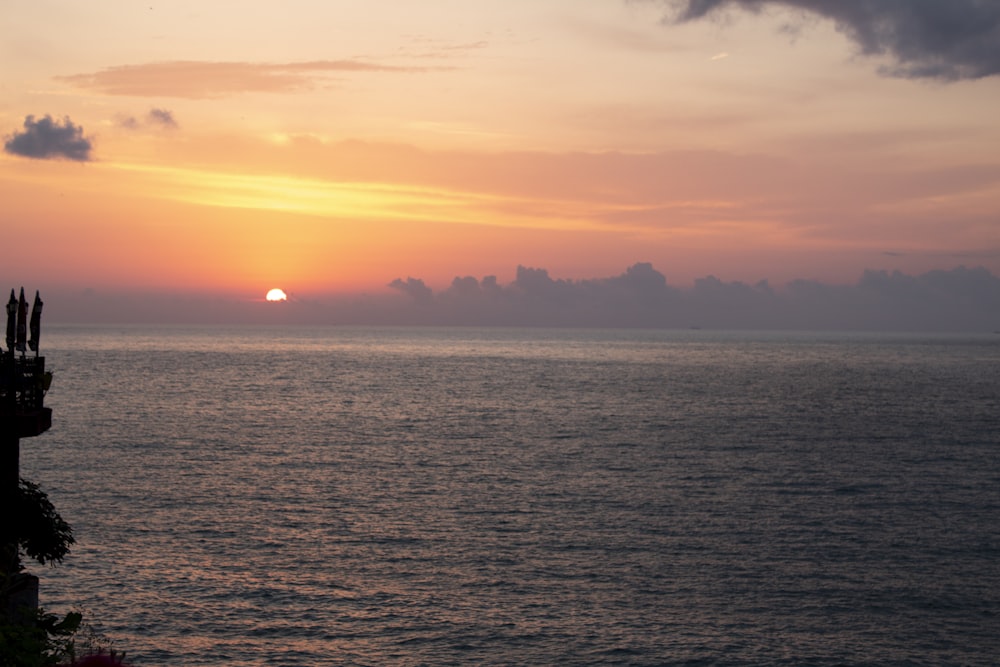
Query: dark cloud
x,y
46,139
939,39
162,117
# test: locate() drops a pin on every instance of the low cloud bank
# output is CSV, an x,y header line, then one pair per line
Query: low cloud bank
x,y
958,300
962,299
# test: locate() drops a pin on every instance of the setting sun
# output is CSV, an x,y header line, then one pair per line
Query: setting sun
x,y
276,295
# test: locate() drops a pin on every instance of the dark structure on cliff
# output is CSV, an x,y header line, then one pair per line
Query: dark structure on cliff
x,y
23,383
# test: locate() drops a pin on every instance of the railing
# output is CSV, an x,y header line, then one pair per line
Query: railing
x,y
23,383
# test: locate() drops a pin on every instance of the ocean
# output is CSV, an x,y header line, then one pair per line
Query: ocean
x,y
410,496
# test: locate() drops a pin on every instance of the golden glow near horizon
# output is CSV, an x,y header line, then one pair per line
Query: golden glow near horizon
x,y
339,145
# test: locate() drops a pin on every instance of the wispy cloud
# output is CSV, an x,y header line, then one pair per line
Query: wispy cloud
x,y
352,199
162,118
948,40
46,139
433,48
696,194
201,79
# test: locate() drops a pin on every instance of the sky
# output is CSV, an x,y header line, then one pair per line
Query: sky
x,y
346,148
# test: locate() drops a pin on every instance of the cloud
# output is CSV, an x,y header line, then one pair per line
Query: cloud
x,y
201,80
958,300
414,288
434,48
157,117
162,117
938,39
128,122
46,139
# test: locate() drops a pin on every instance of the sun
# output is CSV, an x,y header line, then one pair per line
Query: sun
x,y
276,295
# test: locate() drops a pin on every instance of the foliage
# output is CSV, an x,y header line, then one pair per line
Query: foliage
x,y
39,639
90,648
100,659
41,532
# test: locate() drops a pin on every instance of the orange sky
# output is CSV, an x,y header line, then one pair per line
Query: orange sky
x,y
333,146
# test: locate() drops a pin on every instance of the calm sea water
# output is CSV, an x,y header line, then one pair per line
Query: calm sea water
x,y
259,496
